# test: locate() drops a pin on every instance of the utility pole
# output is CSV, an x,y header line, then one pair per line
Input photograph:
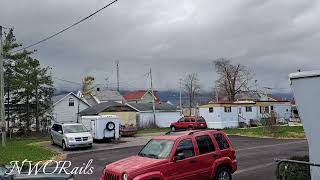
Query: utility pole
x,y
37,104
180,103
2,120
153,101
118,84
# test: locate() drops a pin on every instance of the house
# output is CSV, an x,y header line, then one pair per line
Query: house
x,y
143,96
227,114
165,114
66,107
126,113
100,96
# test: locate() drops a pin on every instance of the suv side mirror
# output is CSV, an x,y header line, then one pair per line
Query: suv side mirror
x,y
179,157
60,132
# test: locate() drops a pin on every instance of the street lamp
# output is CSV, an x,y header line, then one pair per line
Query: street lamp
x,y
9,72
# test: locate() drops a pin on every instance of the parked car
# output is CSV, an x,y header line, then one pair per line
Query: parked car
x,y
193,154
70,135
4,175
189,122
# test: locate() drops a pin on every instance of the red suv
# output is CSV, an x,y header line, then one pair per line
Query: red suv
x,y
189,155
189,122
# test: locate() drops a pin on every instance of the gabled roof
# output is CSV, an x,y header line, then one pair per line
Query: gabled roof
x,y
107,95
58,98
138,95
143,107
98,108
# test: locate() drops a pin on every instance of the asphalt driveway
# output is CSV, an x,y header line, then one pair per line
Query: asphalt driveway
x,y
255,156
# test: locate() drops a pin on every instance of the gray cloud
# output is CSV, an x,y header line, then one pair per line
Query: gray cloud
x,y
273,38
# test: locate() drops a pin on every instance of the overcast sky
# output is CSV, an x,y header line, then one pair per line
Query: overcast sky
x,y
173,37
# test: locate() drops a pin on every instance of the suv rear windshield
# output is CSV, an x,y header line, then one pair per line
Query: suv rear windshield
x,y
77,128
157,149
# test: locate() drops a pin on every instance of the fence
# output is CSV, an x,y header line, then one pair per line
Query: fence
x,y
293,169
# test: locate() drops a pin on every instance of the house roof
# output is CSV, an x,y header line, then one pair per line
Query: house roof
x,y
137,95
149,107
98,108
107,95
56,99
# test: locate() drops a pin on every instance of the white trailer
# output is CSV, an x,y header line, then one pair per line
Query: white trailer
x,y
306,88
102,127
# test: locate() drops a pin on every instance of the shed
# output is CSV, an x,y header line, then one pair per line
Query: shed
x,y
165,114
126,113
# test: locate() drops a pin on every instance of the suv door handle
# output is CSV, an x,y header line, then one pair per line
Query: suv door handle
x,y
193,161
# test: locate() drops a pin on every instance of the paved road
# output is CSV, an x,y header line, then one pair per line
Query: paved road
x,y
255,156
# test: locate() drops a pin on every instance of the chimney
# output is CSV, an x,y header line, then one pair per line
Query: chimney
x,y
98,89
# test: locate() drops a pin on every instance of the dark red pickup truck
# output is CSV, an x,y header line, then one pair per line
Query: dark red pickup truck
x,y
189,122
188,155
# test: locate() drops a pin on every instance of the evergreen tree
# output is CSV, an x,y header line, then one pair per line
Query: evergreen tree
x,y
31,86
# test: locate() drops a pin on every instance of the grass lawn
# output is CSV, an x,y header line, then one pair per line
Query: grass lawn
x,y
21,149
153,130
279,132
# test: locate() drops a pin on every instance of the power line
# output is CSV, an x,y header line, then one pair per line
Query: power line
x,y
65,29
64,80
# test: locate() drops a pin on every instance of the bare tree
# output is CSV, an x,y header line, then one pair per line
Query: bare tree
x,y
192,88
87,83
233,79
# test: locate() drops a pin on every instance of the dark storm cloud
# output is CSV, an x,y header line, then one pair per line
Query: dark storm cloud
x,y
273,38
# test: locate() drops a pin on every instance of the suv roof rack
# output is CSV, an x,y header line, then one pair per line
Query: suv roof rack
x,y
192,132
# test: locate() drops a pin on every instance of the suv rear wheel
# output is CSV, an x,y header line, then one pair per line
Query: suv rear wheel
x,y
223,173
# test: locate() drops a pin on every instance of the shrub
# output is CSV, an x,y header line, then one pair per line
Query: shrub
x,y
295,171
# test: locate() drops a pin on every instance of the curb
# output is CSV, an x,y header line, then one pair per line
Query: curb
x,y
102,149
267,137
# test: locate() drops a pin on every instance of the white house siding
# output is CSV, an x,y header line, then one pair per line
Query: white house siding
x,y
249,115
283,111
62,112
219,119
163,119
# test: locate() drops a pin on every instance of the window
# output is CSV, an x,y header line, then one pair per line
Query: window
x,y
181,120
201,119
271,107
186,147
205,144
222,142
71,102
248,109
57,127
193,119
264,109
210,109
157,149
186,120
227,109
